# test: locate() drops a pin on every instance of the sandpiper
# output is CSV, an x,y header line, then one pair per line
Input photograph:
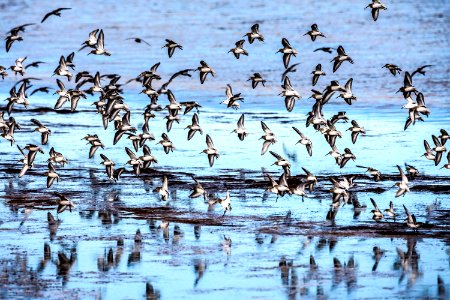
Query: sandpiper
x,y
314,32
44,131
348,94
91,41
232,99
147,159
420,70
376,5
390,211
279,188
377,214
317,73
289,93
340,58
11,38
256,78
166,143
298,190
439,149
444,136
226,203
51,175
412,171
109,164
341,115
171,46
285,164
57,157
254,34
32,151
64,203
325,49
311,179
372,171
407,87
402,185
447,165
356,130
411,220
346,157
304,141
164,189
198,190
268,137
238,50
291,69
138,40
394,69
56,12
211,151
194,127
330,90
134,161
241,130
287,51
100,45
18,66
204,70
330,133
428,151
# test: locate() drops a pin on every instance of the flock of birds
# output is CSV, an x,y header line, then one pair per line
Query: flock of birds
x,y
112,108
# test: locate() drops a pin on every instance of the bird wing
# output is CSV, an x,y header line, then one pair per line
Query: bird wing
x,y
130,153
209,141
240,122
402,174
277,156
37,123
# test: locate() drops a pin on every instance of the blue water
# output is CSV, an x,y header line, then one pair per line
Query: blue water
x,y
409,34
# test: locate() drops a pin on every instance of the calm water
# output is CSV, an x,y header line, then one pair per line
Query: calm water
x,y
269,256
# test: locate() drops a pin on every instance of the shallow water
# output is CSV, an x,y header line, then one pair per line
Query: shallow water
x,y
269,254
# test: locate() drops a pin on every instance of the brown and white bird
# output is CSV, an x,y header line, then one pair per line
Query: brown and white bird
x,y
56,12
241,130
268,137
239,50
402,185
164,189
64,203
166,143
377,214
62,69
44,131
211,151
171,46
256,78
100,45
376,5
285,164
340,58
304,141
204,70
314,32
51,175
289,94
394,69
356,130
194,127
287,51
254,34
232,99
317,73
